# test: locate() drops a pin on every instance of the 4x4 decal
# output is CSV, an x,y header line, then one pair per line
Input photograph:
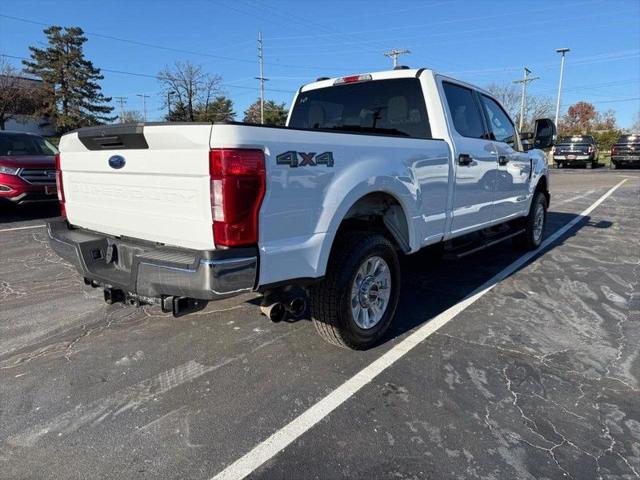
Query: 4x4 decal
x,y
305,159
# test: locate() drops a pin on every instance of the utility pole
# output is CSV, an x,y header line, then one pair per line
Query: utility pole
x,y
170,93
561,51
122,101
144,104
395,53
523,100
261,77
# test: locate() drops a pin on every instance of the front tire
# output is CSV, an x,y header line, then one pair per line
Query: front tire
x,y
534,224
355,303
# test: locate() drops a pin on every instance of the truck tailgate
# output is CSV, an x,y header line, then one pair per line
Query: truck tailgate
x,y
160,193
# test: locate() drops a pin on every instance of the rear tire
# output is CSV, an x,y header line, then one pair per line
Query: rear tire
x,y
534,224
588,165
353,307
613,166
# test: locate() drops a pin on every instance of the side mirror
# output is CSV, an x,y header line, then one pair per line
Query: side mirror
x,y
544,133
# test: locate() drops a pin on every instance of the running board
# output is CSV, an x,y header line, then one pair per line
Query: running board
x,y
486,244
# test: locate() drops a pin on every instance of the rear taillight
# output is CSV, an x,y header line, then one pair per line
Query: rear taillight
x,y
59,187
590,150
237,190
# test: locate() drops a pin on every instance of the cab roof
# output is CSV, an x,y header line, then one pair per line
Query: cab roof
x,y
386,75
381,75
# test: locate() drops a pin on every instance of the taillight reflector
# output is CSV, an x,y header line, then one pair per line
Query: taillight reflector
x,y
60,187
237,190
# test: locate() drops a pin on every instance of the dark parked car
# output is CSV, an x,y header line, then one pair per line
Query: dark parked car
x,y
576,150
626,151
27,168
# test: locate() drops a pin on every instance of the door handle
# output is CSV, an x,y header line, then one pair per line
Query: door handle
x,y
464,159
502,160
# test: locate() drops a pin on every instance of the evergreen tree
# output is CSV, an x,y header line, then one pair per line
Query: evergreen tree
x,y
274,113
219,110
73,97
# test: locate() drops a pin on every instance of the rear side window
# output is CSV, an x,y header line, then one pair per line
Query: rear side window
x,y
464,110
499,122
386,107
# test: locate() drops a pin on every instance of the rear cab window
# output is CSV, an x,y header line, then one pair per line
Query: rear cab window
x,y
393,107
629,139
576,139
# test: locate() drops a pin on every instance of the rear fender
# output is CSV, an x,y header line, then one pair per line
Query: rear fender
x,y
401,188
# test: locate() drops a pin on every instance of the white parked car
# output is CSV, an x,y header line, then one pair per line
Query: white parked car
x,y
369,167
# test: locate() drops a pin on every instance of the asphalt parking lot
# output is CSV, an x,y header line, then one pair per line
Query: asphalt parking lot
x,y
538,378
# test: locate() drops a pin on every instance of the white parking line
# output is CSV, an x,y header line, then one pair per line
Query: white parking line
x,y
270,447
573,199
22,228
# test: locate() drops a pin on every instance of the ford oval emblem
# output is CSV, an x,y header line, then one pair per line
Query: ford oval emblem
x,y
117,162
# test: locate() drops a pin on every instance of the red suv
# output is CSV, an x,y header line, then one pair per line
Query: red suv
x,y
27,168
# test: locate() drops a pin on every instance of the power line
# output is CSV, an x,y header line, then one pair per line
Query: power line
x,y
160,77
171,49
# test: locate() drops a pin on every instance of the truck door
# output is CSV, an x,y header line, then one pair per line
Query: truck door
x,y
475,161
514,166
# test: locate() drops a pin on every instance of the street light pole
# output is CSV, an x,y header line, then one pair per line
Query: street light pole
x,y
561,51
144,104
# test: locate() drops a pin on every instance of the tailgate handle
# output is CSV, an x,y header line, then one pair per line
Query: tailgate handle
x,y
112,137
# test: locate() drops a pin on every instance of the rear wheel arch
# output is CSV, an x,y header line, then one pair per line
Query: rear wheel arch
x,y
379,211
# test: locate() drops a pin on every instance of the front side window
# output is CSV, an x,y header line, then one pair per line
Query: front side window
x,y
386,107
499,123
465,113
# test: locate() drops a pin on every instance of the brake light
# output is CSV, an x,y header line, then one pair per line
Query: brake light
x,y
613,150
237,190
352,79
590,150
60,187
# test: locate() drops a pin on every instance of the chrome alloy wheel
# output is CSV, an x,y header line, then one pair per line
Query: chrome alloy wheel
x,y
370,292
538,224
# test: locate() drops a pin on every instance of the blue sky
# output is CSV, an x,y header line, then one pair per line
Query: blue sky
x,y
481,42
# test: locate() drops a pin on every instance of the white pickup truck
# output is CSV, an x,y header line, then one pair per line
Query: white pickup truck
x,y
369,167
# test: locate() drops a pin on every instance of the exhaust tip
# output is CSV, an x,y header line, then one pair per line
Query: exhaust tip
x,y
275,312
297,307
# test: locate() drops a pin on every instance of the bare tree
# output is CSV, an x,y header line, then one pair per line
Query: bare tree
x,y
192,88
509,97
18,95
131,116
